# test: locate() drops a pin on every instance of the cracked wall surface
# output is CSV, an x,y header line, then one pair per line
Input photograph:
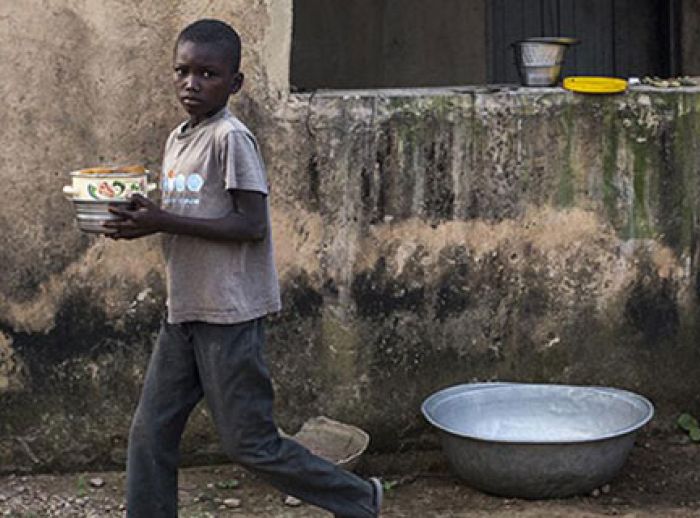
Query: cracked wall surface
x,y
424,237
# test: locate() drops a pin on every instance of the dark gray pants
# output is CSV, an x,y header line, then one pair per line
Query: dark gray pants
x,y
224,364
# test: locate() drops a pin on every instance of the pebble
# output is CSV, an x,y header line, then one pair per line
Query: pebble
x,y
292,501
97,482
595,493
232,502
605,489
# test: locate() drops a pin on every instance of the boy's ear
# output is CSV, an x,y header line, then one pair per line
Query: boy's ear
x,y
237,82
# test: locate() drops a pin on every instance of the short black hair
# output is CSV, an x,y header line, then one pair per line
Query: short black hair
x,y
214,32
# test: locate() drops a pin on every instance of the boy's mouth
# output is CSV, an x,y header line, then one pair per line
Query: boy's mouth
x,y
190,101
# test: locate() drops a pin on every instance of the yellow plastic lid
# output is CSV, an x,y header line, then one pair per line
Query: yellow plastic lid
x,y
595,85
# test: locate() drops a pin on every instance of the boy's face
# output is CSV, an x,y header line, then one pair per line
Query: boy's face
x,y
204,79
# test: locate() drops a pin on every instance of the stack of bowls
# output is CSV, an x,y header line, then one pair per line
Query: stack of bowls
x,y
92,191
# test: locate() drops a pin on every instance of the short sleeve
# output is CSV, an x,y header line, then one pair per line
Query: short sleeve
x,y
243,166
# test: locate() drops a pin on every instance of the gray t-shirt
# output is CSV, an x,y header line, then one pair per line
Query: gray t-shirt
x,y
215,281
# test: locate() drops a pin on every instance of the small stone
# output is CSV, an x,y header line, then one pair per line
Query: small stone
x,y
595,493
122,507
3,498
97,482
292,501
232,503
605,489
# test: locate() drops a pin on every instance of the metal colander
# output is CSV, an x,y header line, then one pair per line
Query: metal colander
x,y
536,54
539,60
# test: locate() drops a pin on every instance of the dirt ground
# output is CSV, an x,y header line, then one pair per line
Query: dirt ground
x,y
661,478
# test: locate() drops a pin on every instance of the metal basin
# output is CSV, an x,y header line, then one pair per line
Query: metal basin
x,y
91,215
536,441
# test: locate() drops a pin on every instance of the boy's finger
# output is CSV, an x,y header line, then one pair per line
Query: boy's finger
x,y
139,199
124,213
118,225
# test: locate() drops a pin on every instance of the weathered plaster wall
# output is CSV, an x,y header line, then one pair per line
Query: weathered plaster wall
x,y
423,237
531,235
87,83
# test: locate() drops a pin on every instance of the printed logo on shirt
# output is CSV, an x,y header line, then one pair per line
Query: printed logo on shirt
x,y
180,183
195,182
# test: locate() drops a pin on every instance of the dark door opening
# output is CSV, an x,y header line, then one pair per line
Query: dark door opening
x,y
342,44
621,38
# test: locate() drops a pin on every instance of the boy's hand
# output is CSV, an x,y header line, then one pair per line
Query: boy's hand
x,y
143,217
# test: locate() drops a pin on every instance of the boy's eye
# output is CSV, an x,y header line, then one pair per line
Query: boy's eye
x,y
207,74
179,71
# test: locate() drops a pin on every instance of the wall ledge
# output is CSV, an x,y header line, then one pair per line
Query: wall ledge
x,y
511,89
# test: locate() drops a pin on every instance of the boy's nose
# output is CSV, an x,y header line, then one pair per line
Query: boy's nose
x,y
191,83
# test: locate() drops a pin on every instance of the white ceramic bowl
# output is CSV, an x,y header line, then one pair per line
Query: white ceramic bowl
x,y
92,191
109,186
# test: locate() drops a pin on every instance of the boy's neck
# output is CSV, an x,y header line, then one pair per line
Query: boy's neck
x,y
193,122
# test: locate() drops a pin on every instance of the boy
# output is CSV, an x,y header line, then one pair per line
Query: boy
x,y
221,282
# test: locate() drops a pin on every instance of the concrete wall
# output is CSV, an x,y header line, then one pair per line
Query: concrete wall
x,y
424,238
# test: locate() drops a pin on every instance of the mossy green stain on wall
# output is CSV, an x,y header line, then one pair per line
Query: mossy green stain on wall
x,y
610,147
639,224
565,196
678,184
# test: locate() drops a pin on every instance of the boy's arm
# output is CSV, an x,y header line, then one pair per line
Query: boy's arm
x,y
247,221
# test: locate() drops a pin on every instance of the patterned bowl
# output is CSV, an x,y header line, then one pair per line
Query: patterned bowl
x,y
92,191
